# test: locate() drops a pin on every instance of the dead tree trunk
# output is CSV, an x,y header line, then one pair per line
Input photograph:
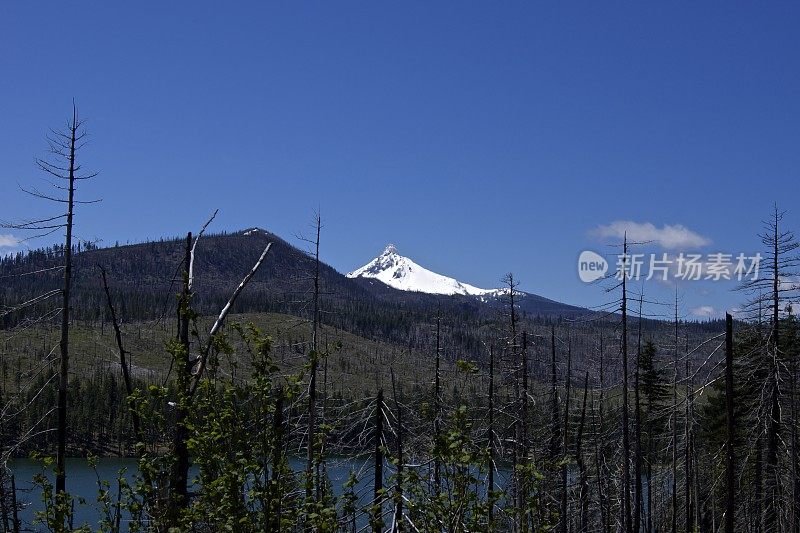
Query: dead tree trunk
x,y
650,459
599,458
524,422
637,425
688,463
555,423
278,430
311,458
437,479
730,453
516,489
126,375
675,426
3,503
583,476
626,445
758,483
377,486
773,434
180,473
565,449
8,504
63,147
490,481
63,373
794,453
321,467
398,488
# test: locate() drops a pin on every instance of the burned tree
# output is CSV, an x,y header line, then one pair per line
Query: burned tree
x,y
773,292
519,418
730,452
626,446
313,484
61,165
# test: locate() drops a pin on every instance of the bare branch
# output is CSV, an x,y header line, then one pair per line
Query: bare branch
x,y
196,240
223,314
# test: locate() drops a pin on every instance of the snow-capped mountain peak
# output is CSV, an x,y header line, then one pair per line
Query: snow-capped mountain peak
x,y
404,274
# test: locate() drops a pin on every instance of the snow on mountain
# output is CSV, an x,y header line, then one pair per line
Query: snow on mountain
x,y
404,274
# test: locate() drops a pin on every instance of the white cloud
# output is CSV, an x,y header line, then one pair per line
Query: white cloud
x,y
8,241
671,237
705,311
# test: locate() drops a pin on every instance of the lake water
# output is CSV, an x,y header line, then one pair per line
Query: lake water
x,y
82,482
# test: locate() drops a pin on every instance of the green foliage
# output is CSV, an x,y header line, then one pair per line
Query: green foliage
x,y
537,509
57,515
349,501
464,466
467,366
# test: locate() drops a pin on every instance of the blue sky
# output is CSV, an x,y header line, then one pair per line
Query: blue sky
x,y
479,137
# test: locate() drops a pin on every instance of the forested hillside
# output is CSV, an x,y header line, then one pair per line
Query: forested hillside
x,y
435,390
222,362
145,276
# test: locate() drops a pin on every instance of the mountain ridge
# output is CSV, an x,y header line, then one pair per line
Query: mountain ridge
x,y
145,277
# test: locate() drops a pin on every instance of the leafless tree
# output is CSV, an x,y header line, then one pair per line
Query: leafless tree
x,y
519,419
437,410
637,424
313,484
491,439
564,518
626,445
62,171
730,452
583,475
674,423
774,291
377,485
